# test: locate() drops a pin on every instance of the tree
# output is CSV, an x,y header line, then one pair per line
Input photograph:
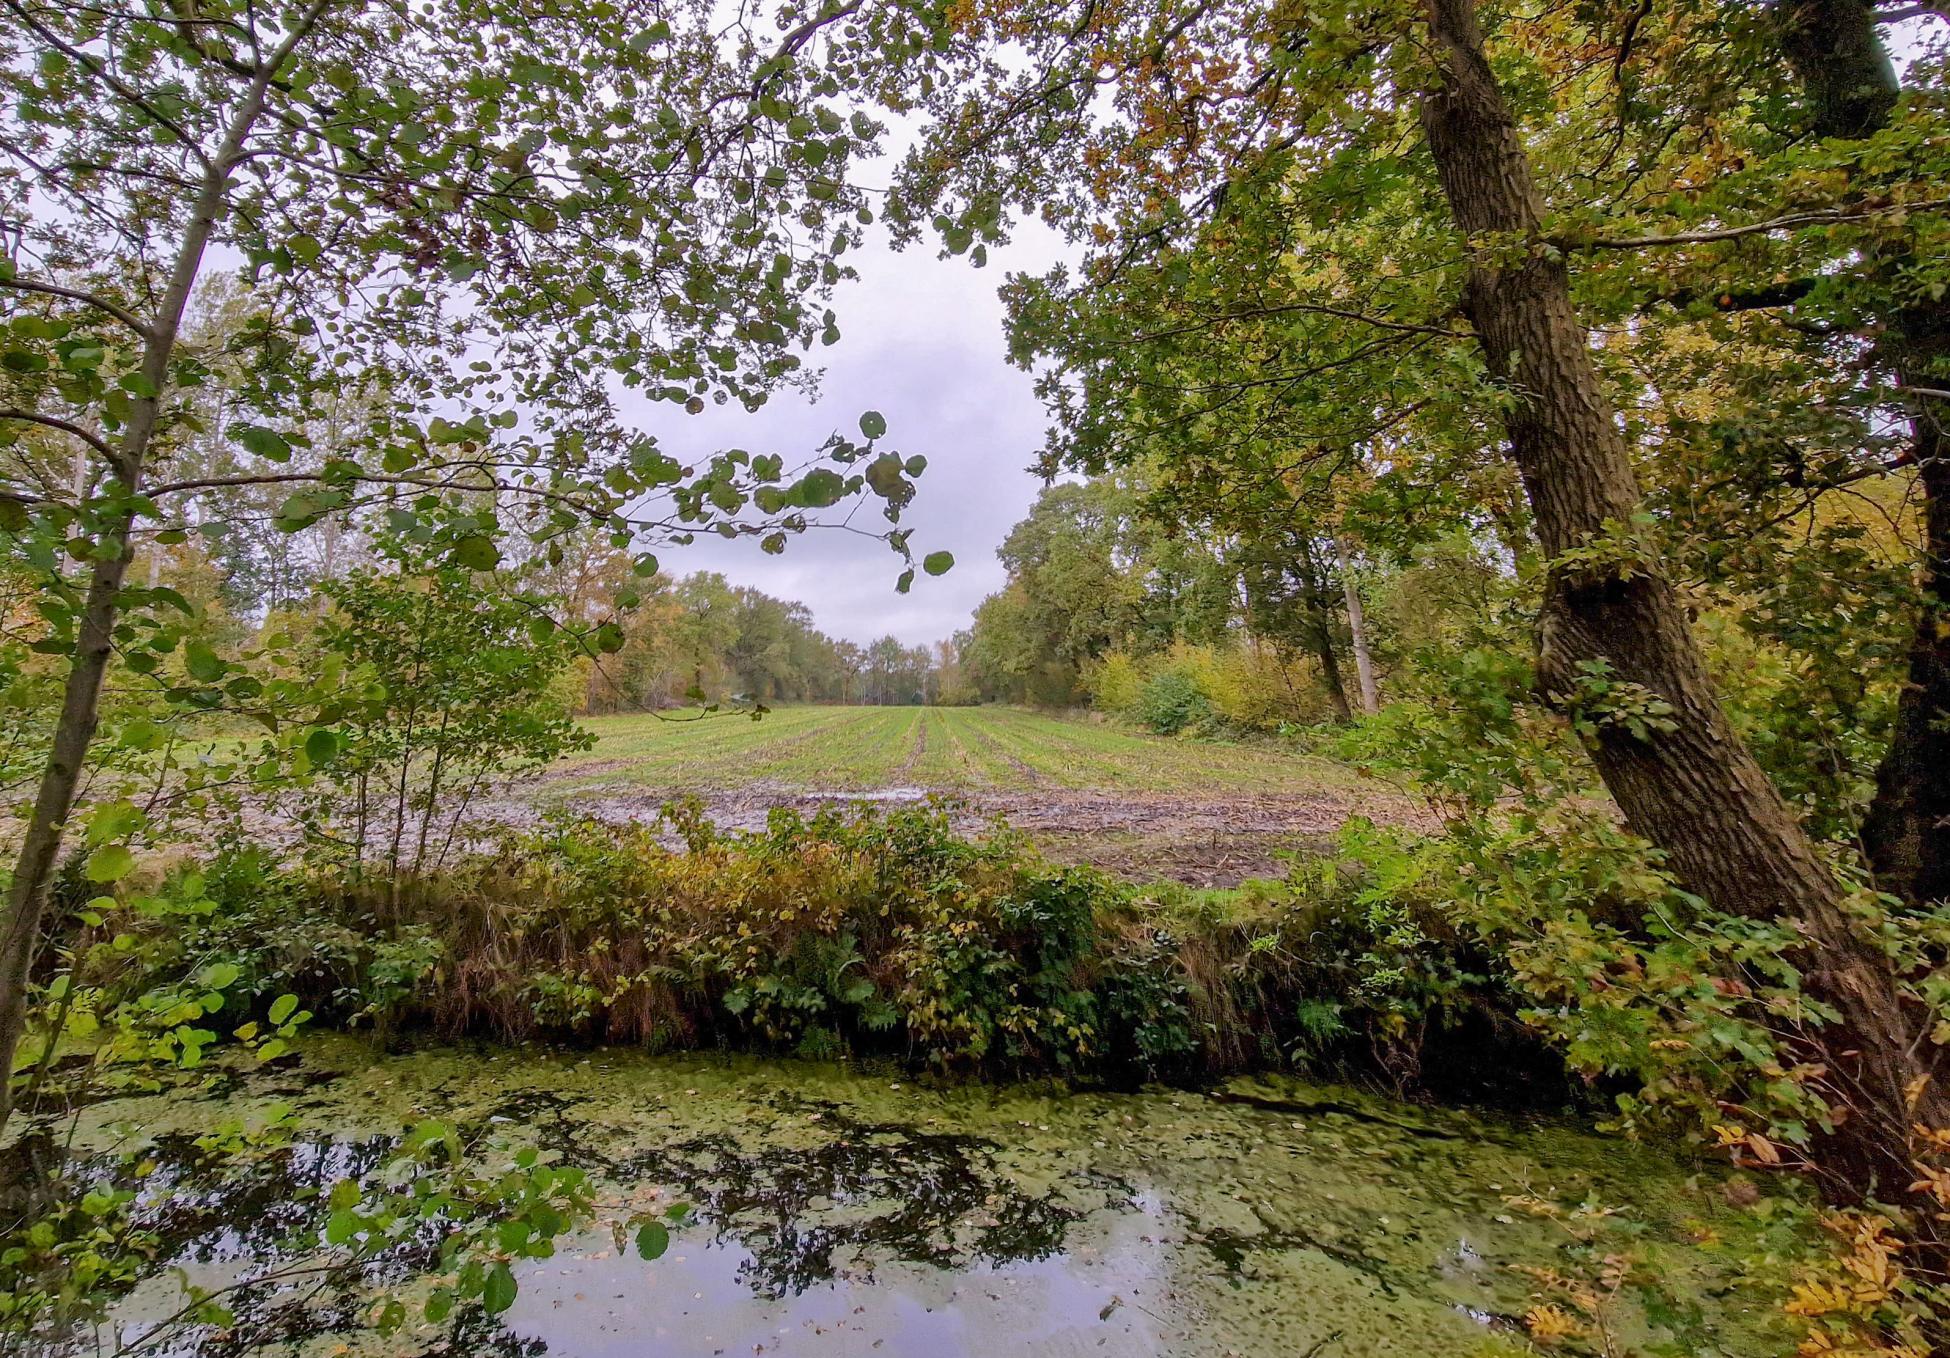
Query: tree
x,y
455,688
1851,90
489,215
1245,185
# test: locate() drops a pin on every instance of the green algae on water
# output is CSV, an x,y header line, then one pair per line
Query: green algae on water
x,y
841,1211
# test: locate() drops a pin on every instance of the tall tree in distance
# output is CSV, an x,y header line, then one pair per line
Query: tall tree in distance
x,y
1835,48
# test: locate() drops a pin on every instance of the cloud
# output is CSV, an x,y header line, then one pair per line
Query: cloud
x,y
921,342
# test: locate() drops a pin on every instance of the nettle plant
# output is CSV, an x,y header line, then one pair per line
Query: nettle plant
x,y
488,223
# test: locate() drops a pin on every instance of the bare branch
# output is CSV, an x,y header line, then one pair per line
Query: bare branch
x,y
1908,12
1818,217
1310,308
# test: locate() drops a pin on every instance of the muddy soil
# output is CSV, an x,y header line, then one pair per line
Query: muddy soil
x,y
1212,840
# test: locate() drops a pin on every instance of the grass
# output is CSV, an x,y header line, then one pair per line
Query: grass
x,y
985,749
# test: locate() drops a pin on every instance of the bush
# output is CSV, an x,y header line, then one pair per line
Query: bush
x,y
1116,685
1172,701
1209,689
855,932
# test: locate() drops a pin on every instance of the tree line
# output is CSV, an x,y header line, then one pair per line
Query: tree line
x,y
1110,603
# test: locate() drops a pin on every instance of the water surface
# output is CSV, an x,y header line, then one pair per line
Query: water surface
x,y
847,1212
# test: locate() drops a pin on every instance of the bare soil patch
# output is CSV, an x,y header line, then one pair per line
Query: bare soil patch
x,y
1203,840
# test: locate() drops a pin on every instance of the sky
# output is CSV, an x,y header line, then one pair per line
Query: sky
x,y
921,342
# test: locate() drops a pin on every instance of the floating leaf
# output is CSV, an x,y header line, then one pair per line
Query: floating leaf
x,y
652,1239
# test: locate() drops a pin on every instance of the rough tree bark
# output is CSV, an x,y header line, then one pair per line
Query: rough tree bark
x,y
1907,831
74,730
1693,789
1835,50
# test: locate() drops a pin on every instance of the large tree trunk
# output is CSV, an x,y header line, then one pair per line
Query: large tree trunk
x,y
1690,787
1836,51
1907,831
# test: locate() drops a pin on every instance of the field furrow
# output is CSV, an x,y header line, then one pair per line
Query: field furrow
x,y
1138,803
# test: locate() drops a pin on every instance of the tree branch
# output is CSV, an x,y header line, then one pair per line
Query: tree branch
x,y
1311,308
101,304
93,440
1818,217
1897,16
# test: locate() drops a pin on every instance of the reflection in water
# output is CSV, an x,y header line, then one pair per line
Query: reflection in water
x,y
697,1302
869,1191
854,1216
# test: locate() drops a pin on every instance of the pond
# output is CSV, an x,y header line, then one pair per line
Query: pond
x,y
845,1211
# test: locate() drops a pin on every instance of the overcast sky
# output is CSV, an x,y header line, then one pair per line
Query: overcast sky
x,y
921,342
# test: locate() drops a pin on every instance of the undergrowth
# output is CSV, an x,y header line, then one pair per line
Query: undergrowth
x,y
847,932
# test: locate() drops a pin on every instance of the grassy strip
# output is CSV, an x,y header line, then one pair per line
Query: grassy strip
x,y
713,754
1133,759
945,762
960,750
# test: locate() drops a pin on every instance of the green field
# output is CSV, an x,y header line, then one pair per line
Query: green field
x,y
1201,811
965,750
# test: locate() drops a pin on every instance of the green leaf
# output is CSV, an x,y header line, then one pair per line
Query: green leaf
x,y
322,746
110,863
819,488
873,424
476,554
283,1007
266,443
938,563
112,821
498,1292
204,664
652,1239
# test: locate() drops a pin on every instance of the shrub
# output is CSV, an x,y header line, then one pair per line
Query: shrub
x,y
1172,701
1116,685
855,932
